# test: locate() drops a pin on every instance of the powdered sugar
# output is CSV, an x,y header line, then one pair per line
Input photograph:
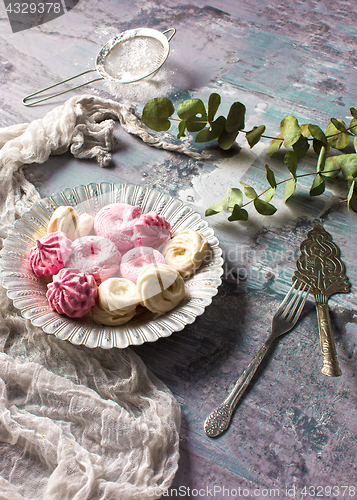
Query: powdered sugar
x,y
134,58
158,85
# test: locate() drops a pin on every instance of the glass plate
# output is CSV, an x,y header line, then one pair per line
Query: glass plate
x,y
28,292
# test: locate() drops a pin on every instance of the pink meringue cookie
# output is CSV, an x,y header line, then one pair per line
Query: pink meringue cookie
x,y
95,255
136,259
151,230
116,222
72,293
50,253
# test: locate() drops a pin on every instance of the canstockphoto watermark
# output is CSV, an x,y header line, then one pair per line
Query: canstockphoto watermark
x,y
340,492
24,15
215,491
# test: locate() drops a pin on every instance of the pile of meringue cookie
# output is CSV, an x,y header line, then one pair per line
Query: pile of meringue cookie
x,y
116,264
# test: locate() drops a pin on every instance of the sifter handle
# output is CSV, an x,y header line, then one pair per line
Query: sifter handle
x,y
172,34
33,96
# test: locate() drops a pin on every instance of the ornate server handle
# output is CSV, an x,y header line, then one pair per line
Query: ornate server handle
x,y
218,421
328,349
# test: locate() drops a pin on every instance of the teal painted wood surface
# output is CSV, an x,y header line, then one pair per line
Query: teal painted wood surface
x,y
294,427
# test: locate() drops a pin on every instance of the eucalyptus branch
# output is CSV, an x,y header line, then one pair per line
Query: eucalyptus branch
x,y
194,118
283,182
308,138
233,200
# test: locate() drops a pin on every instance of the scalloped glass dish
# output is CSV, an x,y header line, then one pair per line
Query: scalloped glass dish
x,y
28,292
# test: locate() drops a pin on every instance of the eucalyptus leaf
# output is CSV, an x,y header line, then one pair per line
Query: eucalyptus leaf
x,y
317,145
339,124
289,189
331,167
194,112
321,159
156,113
214,102
238,213
275,144
207,135
318,186
263,207
353,201
301,147
353,112
353,126
227,139
291,130
254,135
181,129
355,143
337,139
235,118
317,133
249,191
225,201
305,131
351,192
347,164
214,209
211,133
269,194
290,160
236,198
270,176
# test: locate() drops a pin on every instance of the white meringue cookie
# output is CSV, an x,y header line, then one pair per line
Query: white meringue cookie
x,y
67,220
161,288
186,251
118,294
110,318
117,302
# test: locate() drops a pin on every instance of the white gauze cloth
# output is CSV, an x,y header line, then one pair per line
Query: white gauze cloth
x,y
75,423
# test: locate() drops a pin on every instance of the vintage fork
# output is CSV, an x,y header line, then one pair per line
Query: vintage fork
x,y
284,320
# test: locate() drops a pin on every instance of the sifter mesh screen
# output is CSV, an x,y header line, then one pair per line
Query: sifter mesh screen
x,y
134,58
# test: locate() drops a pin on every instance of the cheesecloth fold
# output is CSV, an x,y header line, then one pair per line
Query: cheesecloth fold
x,y
75,423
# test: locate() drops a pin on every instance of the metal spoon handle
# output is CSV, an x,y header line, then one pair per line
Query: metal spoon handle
x,y
218,421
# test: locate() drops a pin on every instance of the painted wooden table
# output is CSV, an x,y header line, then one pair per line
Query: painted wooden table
x,y
294,432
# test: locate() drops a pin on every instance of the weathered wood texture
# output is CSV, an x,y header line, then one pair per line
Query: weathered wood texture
x,y
294,426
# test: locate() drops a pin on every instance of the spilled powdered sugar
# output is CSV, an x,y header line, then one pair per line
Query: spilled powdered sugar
x,y
142,91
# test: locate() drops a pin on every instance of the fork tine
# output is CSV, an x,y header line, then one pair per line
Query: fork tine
x,y
290,308
294,315
300,298
285,306
281,307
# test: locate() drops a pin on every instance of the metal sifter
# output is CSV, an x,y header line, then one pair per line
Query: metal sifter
x,y
129,57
